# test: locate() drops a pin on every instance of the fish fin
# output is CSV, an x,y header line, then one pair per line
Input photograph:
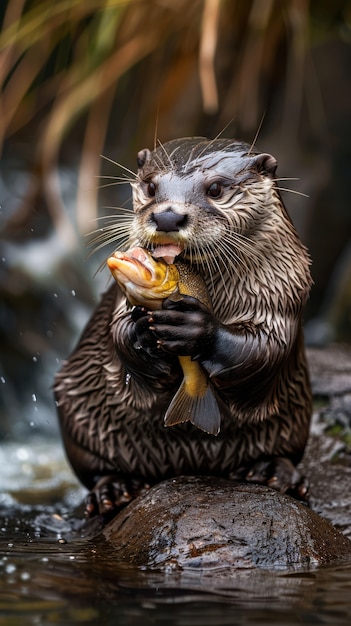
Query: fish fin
x,y
202,411
176,296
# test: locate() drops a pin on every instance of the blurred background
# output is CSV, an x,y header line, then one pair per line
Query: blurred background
x,y
81,79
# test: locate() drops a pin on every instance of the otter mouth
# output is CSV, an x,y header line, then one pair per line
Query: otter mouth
x,y
167,251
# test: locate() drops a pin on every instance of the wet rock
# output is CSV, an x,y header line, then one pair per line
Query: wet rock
x,y
208,522
330,370
330,373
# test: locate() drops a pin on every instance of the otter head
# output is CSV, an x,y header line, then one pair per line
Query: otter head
x,y
195,194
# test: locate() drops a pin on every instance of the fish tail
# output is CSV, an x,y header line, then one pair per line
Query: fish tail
x,y
202,411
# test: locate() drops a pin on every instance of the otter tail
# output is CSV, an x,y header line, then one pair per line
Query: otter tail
x,y
194,401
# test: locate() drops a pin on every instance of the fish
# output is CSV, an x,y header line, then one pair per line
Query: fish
x,y
147,281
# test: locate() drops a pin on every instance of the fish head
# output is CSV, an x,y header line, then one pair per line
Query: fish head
x,y
145,280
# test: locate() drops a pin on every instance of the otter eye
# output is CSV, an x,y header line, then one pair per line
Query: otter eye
x,y
215,190
151,189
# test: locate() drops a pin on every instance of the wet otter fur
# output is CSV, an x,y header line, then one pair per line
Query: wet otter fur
x,y
217,204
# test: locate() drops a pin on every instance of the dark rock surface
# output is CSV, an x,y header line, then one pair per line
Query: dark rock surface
x,y
327,459
330,370
207,522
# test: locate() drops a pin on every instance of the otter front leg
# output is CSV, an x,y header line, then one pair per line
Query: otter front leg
x,y
138,350
242,360
112,493
278,473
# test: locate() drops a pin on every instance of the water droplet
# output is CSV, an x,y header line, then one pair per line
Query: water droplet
x,y
73,292
35,359
25,576
3,379
32,424
10,568
128,377
34,397
55,295
22,454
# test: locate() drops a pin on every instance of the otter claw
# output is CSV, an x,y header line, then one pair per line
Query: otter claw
x,y
279,474
110,495
91,505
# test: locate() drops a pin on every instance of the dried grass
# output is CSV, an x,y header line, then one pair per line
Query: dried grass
x,y
63,60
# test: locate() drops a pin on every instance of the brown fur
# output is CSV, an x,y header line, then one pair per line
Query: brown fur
x,y
112,396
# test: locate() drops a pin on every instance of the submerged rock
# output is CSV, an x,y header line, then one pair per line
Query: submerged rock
x,y
206,522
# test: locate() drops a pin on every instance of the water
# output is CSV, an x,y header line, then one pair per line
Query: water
x,y
49,578
48,583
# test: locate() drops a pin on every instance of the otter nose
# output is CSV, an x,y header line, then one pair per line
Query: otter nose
x,y
168,221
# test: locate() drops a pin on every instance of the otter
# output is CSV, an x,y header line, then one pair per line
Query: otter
x,y
216,205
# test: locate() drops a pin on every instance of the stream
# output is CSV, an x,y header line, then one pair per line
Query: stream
x,y
48,578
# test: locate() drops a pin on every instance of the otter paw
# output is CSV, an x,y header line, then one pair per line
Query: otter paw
x,y
287,479
278,473
111,494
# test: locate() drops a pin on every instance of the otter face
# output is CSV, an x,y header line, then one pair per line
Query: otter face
x,y
195,193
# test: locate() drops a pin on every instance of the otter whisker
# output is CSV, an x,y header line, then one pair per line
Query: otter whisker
x,y
208,260
189,161
285,178
158,159
122,178
298,193
118,229
234,247
256,134
168,156
112,184
240,240
188,252
123,167
112,224
211,141
246,242
171,155
121,246
219,270
208,257
232,251
112,219
235,263
107,238
122,209
231,255
198,156
116,219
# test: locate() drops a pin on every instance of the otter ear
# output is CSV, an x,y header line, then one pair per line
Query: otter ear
x,y
265,164
142,157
